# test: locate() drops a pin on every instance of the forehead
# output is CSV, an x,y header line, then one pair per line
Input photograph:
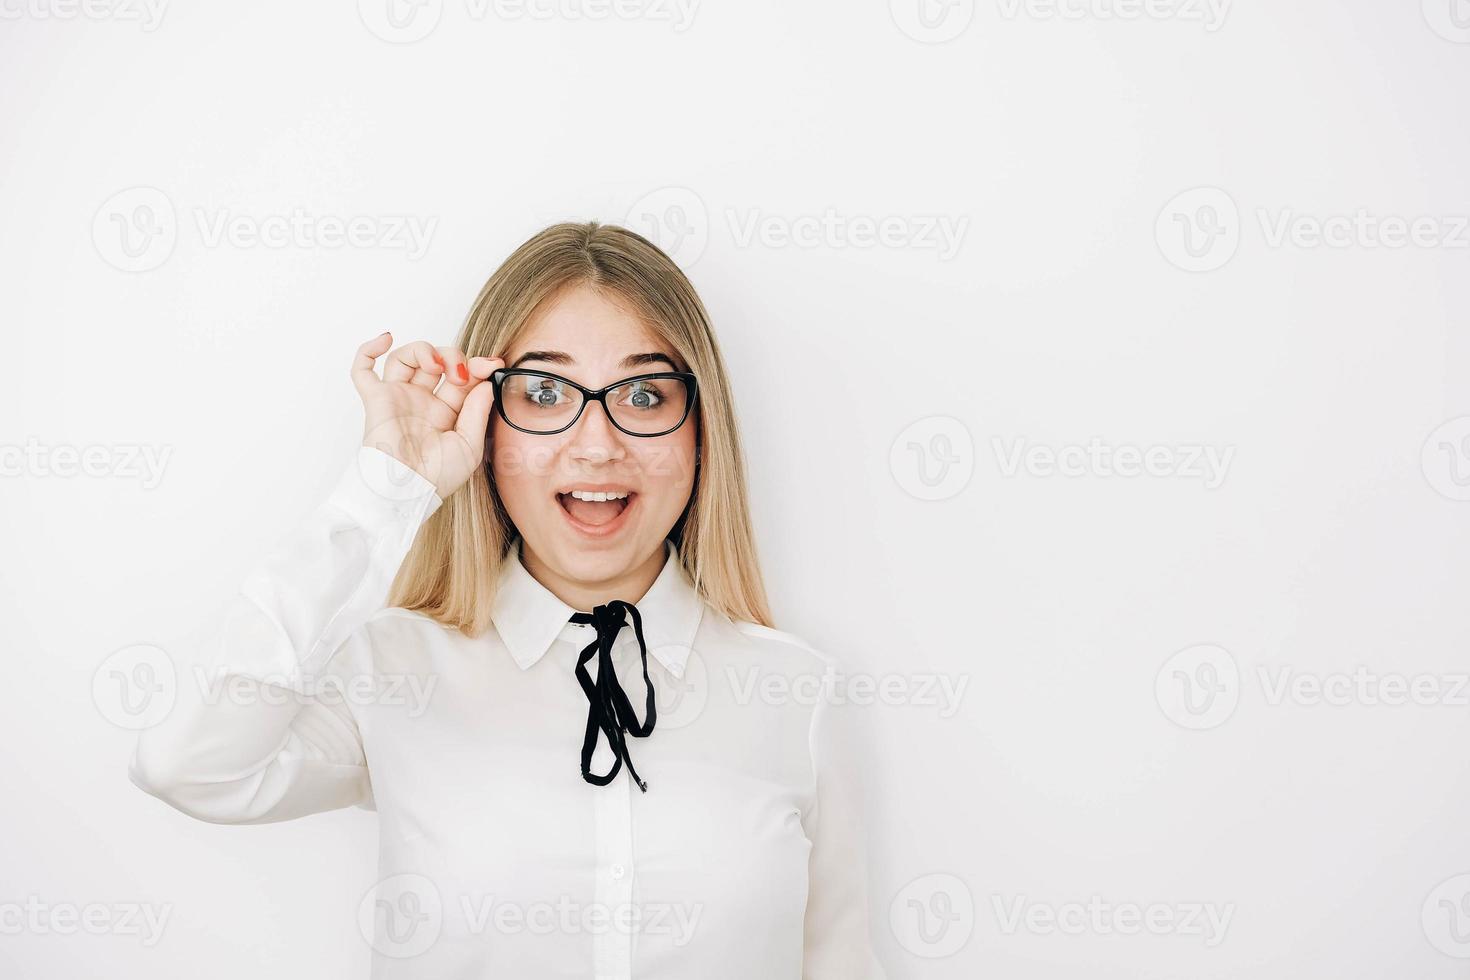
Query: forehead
x,y
596,330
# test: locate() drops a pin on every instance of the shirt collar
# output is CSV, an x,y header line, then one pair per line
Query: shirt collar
x,y
530,618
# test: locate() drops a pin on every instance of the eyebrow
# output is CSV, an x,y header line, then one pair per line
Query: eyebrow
x,y
562,357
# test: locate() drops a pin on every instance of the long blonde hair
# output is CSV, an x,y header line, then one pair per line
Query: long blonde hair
x,y
452,570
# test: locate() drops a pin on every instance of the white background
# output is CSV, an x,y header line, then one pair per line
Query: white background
x,y
883,389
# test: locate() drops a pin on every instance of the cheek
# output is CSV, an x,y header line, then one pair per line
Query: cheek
x,y
668,471
520,465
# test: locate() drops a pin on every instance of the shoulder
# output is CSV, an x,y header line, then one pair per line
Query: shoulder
x,y
794,676
393,625
781,645
397,614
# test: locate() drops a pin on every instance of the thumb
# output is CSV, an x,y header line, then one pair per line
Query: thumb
x,y
474,415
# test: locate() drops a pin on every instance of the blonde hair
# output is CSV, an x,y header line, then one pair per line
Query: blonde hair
x,y
452,570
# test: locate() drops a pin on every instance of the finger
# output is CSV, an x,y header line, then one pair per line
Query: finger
x,y
363,375
456,371
474,417
454,395
439,415
483,367
456,377
417,363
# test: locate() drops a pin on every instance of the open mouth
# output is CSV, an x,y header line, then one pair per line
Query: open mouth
x,y
592,514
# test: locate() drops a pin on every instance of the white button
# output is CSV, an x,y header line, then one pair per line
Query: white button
x,y
618,871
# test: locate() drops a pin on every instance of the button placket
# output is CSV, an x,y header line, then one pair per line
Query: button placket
x,y
612,944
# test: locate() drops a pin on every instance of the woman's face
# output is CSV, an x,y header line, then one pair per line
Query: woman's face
x,y
583,336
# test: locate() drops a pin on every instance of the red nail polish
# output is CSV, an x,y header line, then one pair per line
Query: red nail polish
x,y
464,372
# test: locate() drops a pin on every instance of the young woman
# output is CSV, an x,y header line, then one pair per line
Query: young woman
x,y
546,526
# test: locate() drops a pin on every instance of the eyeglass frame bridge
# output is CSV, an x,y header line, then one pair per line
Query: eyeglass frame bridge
x,y
498,377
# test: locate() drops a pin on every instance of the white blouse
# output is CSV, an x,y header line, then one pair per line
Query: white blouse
x,y
743,859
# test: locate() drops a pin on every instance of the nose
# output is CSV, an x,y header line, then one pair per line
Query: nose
x,y
594,437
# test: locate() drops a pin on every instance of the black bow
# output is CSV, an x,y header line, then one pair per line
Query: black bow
x,y
608,707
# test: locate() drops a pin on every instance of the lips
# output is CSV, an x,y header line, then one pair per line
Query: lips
x,y
596,518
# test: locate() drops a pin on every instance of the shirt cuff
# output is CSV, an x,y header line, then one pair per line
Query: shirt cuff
x,y
378,490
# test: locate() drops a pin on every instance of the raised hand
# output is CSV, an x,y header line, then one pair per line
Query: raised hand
x,y
429,410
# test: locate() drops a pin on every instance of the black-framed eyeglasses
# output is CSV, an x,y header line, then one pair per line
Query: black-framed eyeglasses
x,y
542,403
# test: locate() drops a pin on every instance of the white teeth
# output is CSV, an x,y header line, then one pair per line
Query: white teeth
x,y
591,495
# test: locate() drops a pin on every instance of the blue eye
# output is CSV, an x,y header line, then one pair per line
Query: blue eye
x,y
644,395
538,395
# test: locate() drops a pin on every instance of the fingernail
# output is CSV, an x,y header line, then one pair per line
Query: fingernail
x,y
464,372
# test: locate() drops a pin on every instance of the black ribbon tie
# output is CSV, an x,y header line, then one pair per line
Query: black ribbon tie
x,y
608,707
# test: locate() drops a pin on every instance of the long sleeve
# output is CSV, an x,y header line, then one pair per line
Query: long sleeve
x,y
251,739
838,943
